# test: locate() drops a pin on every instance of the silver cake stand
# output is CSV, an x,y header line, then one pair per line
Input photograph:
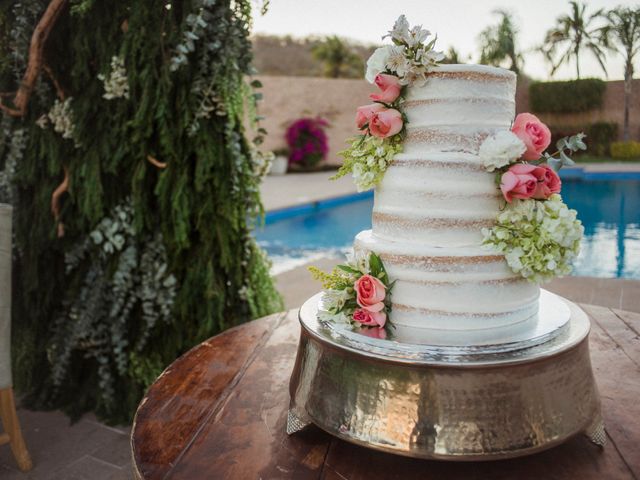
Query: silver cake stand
x,y
449,402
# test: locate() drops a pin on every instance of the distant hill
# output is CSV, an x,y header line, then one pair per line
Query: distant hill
x,y
276,55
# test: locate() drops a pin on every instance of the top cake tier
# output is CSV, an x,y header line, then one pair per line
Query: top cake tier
x,y
462,97
437,191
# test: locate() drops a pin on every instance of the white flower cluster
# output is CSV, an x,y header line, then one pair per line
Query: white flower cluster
x,y
61,118
500,150
116,85
367,159
539,239
261,162
410,57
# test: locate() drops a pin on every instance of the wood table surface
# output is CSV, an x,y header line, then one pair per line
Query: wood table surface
x,y
220,410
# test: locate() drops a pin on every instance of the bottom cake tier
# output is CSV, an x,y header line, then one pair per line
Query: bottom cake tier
x,y
454,296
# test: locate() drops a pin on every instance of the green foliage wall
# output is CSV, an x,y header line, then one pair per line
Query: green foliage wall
x,y
567,97
157,252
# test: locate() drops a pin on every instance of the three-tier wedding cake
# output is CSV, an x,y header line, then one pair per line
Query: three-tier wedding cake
x,y
430,209
467,217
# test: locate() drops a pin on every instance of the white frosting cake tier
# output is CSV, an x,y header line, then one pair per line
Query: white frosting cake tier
x,y
433,202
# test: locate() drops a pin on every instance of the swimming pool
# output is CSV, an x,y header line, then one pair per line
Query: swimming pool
x,y
609,208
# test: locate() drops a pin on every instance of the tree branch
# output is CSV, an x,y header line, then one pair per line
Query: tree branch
x,y
156,162
36,53
55,200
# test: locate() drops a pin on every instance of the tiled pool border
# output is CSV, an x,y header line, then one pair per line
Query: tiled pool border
x,y
574,173
304,208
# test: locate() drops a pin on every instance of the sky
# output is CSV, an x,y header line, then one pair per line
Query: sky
x,y
457,23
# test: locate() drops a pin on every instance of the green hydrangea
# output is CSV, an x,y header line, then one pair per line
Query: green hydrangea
x,y
368,158
539,239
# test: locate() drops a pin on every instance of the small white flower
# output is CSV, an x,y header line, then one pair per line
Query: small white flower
x,y
359,260
417,36
397,61
400,30
500,150
43,121
116,85
338,318
334,300
377,62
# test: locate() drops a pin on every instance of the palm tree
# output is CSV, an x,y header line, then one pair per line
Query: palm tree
x,y
575,32
338,58
622,34
498,43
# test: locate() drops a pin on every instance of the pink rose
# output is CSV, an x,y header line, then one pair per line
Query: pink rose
x,y
519,182
533,133
548,182
374,332
389,86
385,123
364,114
370,293
370,319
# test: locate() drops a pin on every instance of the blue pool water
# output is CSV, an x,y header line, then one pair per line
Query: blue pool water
x,y
608,208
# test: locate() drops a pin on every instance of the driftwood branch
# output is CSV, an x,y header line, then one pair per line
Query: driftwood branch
x,y
35,63
157,163
55,201
54,80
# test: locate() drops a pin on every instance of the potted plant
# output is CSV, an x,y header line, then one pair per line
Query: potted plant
x,y
280,161
308,143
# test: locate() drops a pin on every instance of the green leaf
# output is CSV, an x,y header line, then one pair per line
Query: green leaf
x,y
376,264
256,84
348,269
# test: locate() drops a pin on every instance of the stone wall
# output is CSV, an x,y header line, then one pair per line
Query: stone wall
x,y
289,98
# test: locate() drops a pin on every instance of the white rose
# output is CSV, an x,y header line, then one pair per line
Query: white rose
x,y
501,149
378,62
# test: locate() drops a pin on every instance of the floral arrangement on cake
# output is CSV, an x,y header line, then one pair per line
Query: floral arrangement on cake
x,y
538,234
307,140
357,294
382,123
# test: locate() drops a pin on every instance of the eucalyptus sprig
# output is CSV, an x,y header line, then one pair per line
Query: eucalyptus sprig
x,y
571,145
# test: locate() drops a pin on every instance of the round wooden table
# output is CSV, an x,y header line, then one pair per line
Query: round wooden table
x,y
220,410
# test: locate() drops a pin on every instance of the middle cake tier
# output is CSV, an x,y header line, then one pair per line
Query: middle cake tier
x,y
454,295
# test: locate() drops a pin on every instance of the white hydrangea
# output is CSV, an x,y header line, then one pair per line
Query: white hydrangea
x,y
377,62
363,178
116,85
539,239
500,150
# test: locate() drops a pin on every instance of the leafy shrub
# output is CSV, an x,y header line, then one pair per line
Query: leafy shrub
x,y
599,137
566,97
625,150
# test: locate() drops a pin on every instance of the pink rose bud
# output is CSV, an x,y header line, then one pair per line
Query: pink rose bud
x,y
519,182
533,133
370,293
548,182
386,123
364,114
370,319
390,88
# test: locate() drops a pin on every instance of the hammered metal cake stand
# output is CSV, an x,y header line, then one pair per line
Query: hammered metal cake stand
x,y
448,403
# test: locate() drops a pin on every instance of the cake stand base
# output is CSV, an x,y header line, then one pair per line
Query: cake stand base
x,y
450,406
